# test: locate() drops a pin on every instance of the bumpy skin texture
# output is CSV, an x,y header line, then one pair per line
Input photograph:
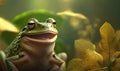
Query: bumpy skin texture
x,y
39,57
33,49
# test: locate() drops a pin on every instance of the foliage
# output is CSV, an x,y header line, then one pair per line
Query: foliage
x,y
77,26
101,56
106,58
21,19
7,26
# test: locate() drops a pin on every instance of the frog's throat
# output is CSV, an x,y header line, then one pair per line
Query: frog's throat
x,y
44,37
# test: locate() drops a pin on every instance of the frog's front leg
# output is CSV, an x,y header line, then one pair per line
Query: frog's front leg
x,y
63,57
59,62
5,64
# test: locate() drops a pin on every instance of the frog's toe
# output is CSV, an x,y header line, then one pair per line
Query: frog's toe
x,y
63,56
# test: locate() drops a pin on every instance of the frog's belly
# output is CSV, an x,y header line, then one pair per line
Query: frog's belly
x,y
37,56
33,64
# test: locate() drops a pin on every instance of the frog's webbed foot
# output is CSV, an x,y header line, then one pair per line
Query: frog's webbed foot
x,y
6,64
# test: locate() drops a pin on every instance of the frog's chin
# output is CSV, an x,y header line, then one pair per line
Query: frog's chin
x,y
46,37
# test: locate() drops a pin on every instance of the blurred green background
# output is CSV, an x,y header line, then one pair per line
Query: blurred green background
x,y
76,19
96,13
105,10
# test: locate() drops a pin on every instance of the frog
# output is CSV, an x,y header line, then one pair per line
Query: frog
x,y
33,49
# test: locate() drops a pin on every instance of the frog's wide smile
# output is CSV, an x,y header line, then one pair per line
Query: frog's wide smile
x,y
43,37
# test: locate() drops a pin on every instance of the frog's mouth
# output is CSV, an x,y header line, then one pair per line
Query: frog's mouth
x,y
43,37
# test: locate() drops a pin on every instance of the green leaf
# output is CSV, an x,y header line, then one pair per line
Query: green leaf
x,y
8,36
21,20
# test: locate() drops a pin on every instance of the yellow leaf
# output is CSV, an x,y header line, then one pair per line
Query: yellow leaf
x,y
107,32
70,13
118,39
116,66
116,54
108,43
86,51
7,26
75,65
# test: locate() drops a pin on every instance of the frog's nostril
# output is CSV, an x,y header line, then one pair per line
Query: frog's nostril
x,y
51,25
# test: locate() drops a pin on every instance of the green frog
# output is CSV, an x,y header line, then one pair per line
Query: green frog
x,y
33,49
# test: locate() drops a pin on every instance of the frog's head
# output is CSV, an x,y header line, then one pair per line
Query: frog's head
x,y
41,31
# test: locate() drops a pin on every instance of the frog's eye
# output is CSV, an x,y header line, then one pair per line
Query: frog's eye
x,y
54,23
31,24
51,20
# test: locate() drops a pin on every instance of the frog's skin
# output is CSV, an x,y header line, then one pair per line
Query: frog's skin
x,y
33,49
